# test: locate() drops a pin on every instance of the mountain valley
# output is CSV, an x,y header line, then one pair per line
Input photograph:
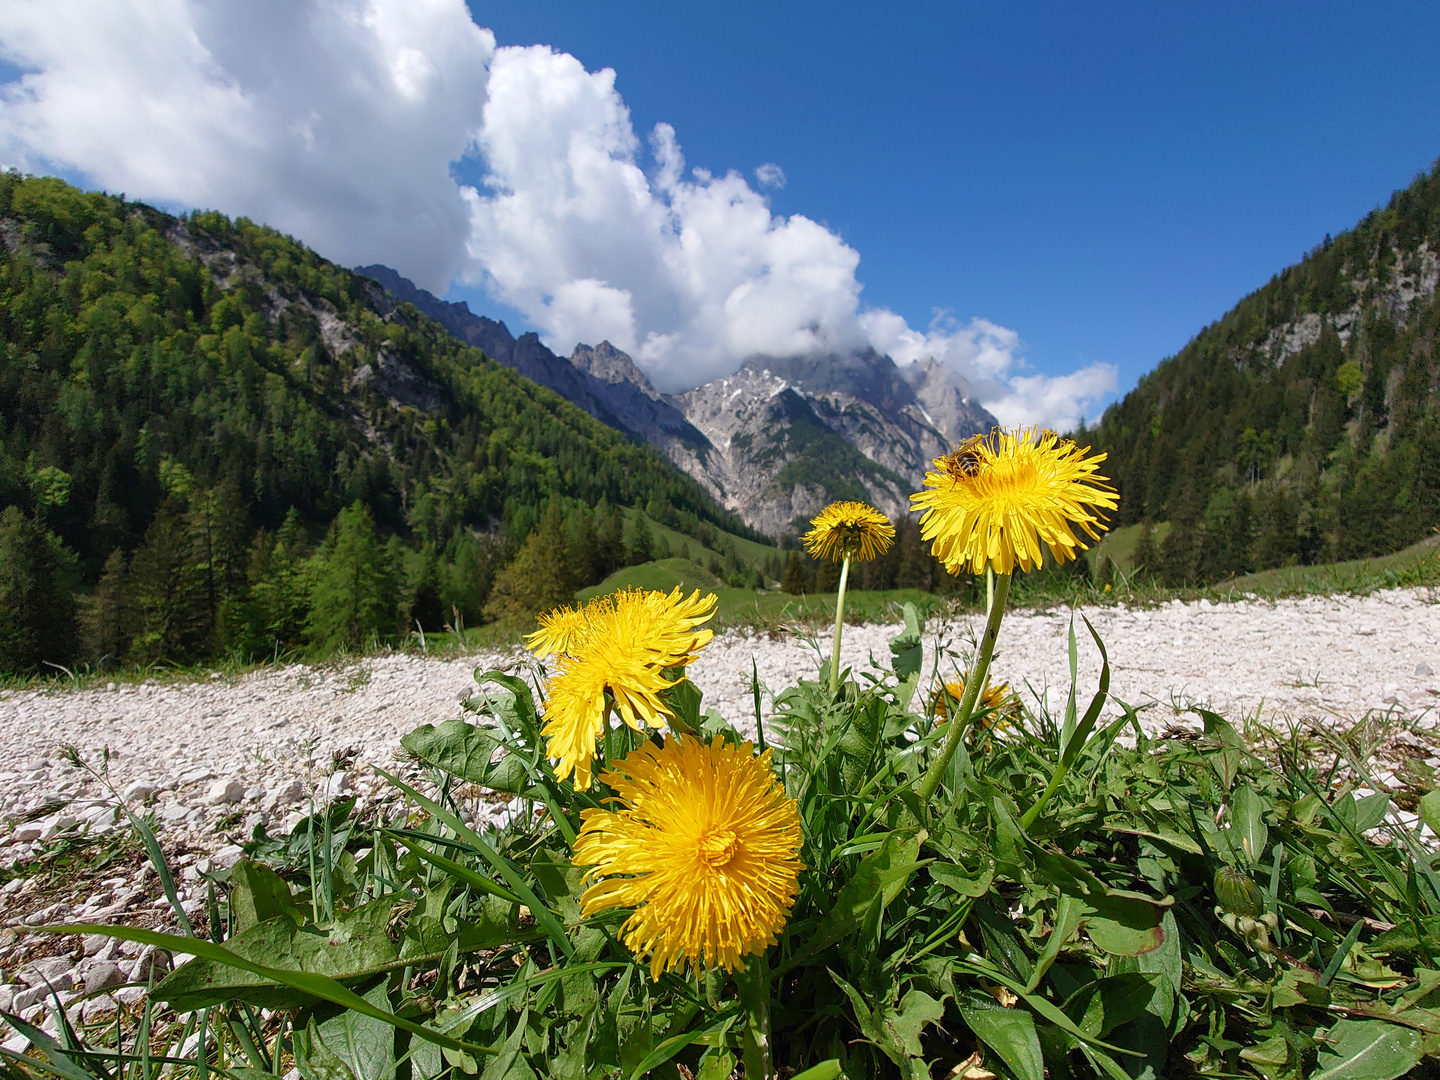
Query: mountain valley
x,y
774,442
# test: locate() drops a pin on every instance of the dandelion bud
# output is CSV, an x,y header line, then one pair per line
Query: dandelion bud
x,y
1237,893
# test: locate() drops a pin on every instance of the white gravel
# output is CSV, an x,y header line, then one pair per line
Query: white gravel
x,y
261,745
211,759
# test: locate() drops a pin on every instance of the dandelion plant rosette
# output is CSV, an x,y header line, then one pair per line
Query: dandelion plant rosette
x,y
704,845
615,652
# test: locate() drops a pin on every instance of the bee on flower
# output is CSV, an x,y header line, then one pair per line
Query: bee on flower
x,y
994,500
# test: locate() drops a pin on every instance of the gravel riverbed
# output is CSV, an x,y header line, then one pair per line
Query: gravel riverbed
x,y
211,759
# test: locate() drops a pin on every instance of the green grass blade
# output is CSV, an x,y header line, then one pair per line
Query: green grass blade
x,y
320,986
543,915
456,870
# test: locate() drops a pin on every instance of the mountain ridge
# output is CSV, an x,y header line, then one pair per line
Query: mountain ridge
x,y
1303,425
774,442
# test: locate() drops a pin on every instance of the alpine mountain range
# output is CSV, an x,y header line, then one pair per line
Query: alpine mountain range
x,y
774,442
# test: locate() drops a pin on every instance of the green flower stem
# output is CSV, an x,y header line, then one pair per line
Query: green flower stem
x,y
973,685
989,589
754,985
839,626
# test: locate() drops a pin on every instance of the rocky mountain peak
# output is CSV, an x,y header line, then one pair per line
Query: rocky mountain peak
x,y
609,365
776,440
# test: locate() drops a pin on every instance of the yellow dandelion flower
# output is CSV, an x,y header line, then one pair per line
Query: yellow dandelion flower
x,y
614,658
996,498
558,629
704,846
851,529
997,697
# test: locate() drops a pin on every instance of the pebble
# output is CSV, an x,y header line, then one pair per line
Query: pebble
x,y
225,791
139,791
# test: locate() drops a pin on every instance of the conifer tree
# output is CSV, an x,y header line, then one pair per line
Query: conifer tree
x,y
37,615
609,539
166,588
916,569
279,593
639,543
534,581
107,619
582,552
792,580
1144,560
353,595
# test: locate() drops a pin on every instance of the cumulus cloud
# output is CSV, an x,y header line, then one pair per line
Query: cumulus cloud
x,y
334,120
348,122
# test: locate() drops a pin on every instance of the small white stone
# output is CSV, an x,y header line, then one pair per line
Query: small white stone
x,y
289,795
28,832
223,792
139,791
99,1007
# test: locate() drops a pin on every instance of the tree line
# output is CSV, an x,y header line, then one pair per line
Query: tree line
x,y
1303,426
199,416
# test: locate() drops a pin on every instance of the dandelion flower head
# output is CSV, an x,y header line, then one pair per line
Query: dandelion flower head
x,y
996,498
704,846
615,652
852,529
997,697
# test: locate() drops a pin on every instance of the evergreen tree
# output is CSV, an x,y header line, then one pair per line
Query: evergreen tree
x,y
827,576
684,552
916,568
427,610
37,614
1145,560
792,580
107,617
354,592
280,585
609,540
639,543
532,583
167,590
581,548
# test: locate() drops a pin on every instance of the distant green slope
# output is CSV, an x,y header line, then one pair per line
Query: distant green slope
x,y
1304,425
219,374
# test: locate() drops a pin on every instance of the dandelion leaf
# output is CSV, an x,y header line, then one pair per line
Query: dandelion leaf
x,y
466,751
1010,1033
257,895
1367,1050
354,947
363,1046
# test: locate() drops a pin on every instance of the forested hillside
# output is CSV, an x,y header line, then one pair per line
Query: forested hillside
x,y
1304,426
214,442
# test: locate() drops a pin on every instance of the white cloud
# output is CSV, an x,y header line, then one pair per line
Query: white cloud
x,y
988,357
334,120
770,175
341,121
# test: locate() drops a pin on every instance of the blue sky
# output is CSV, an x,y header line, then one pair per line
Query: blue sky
x,y
1105,179
1078,188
